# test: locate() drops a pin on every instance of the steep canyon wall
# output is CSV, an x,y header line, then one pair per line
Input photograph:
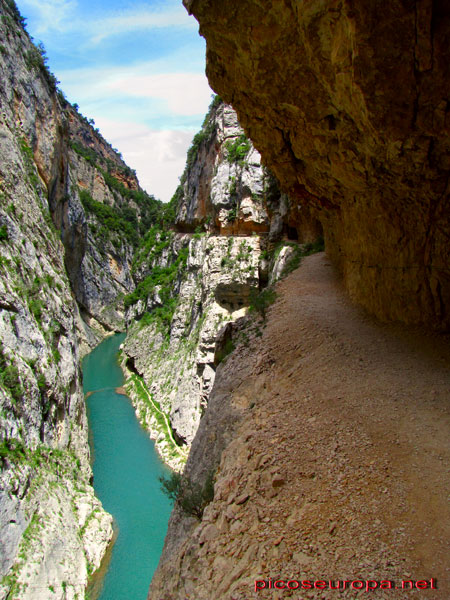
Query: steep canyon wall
x,y
194,280
70,216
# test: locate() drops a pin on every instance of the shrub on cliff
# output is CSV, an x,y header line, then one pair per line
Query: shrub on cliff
x,y
238,149
192,497
9,377
260,301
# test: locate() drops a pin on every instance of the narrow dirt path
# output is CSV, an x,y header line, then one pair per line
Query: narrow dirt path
x,y
358,415
339,467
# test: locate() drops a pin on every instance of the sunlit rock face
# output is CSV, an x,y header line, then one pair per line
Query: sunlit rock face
x,y
222,190
348,104
224,196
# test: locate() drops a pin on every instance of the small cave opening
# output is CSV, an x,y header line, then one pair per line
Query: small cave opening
x,y
292,233
232,296
180,440
129,363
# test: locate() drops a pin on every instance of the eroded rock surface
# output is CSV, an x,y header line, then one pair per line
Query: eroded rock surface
x,y
224,187
189,285
348,104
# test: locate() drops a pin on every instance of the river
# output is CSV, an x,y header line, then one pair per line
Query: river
x,y
126,471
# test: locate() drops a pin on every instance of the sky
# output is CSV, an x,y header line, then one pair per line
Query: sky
x,y
134,66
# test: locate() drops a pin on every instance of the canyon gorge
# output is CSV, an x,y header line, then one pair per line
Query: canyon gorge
x,y
308,389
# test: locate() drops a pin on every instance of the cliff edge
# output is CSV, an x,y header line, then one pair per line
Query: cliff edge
x,y
324,469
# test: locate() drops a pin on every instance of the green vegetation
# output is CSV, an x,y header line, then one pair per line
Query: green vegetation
x,y
151,247
161,278
238,149
137,385
204,135
299,251
3,233
227,349
232,214
313,247
36,59
122,221
16,13
36,305
134,221
88,154
12,450
27,153
215,102
192,497
260,301
9,377
50,468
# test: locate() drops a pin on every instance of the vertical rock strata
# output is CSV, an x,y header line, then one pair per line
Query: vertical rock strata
x,y
65,257
348,104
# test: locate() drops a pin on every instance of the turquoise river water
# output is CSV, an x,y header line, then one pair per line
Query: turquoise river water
x,y
126,470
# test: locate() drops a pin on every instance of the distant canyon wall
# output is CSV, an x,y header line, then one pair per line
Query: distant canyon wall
x,y
193,280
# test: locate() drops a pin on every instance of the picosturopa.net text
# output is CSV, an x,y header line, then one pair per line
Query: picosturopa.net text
x,y
367,585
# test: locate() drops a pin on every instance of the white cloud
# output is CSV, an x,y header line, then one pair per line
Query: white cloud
x,y
142,19
158,157
51,14
63,16
185,94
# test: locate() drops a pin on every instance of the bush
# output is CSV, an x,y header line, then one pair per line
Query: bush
x,y
238,150
87,153
192,497
36,305
225,351
111,219
260,301
12,449
36,59
313,247
16,13
232,214
9,377
3,233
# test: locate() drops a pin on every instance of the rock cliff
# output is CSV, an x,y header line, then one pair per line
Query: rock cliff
x,y
70,215
348,104
189,285
322,468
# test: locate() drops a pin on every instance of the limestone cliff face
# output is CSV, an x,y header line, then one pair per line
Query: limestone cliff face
x,y
224,187
348,104
193,284
101,216
94,199
177,365
69,211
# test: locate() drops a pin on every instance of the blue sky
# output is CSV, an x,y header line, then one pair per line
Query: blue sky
x,y
134,66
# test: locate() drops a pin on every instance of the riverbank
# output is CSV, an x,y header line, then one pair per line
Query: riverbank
x,y
154,420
